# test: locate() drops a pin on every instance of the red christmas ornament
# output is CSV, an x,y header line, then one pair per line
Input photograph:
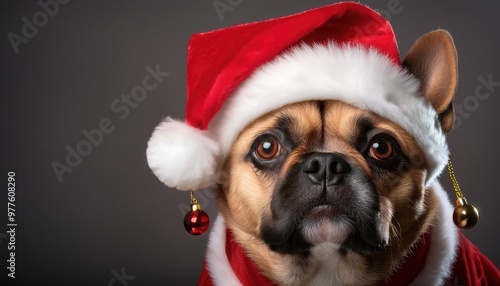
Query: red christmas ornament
x,y
196,221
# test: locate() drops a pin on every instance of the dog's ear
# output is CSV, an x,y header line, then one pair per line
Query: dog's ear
x,y
433,60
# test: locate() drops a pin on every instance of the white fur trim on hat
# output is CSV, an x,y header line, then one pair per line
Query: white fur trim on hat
x,y
356,75
181,156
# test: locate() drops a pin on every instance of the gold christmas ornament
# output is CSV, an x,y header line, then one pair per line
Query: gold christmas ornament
x,y
465,215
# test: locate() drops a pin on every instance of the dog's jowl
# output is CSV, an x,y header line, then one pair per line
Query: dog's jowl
x,y
323,149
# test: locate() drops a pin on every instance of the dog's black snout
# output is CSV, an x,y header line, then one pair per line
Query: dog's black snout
x,y
326,167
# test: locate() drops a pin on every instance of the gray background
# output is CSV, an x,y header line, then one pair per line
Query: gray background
x,y
111,212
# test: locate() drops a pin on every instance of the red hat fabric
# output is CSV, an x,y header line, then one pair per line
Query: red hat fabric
x,y
344,51
220,60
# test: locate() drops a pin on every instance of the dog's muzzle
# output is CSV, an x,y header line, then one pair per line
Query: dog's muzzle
x,y
324,198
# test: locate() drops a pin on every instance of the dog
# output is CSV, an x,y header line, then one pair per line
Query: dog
x,y
336,186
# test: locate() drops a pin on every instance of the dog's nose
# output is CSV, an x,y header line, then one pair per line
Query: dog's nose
x,y
326,167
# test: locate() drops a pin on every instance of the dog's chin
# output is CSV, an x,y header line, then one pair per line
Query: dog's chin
x,y
318,228
326,223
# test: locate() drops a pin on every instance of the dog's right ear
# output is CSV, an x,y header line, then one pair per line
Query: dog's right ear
x,y
433,60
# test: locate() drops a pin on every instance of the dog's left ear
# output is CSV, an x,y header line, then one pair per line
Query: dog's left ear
x,y
433,60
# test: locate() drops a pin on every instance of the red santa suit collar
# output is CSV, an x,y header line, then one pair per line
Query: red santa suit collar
x,y
445,256
248,274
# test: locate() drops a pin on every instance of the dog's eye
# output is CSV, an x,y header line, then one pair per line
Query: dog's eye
x,y
268,149
381,149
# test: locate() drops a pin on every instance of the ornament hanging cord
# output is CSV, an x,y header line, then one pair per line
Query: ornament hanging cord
x,y
456,188
194,201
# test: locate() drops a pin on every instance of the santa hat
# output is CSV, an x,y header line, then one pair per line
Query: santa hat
x,y
343,51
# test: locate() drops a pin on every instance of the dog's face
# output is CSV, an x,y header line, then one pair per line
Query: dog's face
x,y
321,175
325,171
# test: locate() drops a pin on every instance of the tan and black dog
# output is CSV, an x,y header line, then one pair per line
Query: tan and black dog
x,y
324,155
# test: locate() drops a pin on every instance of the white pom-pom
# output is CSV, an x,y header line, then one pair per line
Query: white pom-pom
x,y
181,156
